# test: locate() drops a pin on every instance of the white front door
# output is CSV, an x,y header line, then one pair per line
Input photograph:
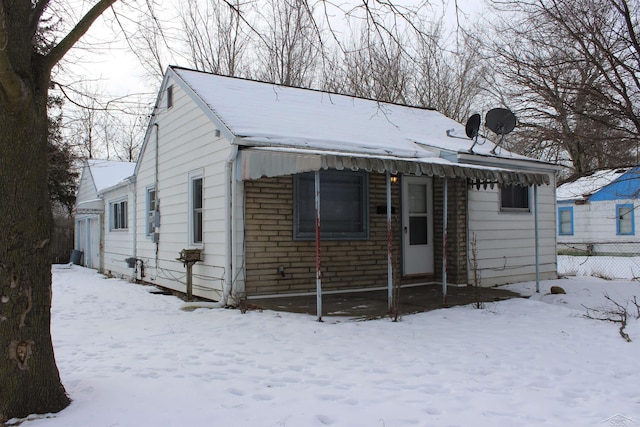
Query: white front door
x,y
417,225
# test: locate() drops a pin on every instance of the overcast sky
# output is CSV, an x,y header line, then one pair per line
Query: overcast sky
x,y
117,69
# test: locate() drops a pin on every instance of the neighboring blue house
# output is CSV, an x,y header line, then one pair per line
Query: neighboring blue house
x,y
598,212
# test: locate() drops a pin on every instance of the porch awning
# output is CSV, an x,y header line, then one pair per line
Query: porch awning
x,y
261,162
94,206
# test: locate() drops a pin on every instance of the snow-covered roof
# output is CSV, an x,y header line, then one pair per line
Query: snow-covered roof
x,y
585,186
108,173
265,114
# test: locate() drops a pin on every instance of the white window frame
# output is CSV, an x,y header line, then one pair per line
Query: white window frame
x,y
118,214
194,176
151,209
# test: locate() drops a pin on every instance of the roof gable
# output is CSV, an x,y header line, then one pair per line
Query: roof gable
x,y
605,184
626,186
107,173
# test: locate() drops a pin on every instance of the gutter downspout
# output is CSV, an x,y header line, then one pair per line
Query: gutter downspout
x,y
134,237
230,226
234,225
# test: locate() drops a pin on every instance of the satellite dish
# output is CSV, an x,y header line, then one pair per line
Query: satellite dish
x,y
473,126
500,120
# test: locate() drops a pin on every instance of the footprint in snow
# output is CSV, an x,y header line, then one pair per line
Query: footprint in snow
x,y
324,419
433,411
262,397
236,391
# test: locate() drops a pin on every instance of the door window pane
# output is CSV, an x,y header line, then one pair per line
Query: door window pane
x,y
418,230
417,198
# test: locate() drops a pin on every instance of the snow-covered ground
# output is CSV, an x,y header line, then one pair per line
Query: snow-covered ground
x,y
131,358
606,267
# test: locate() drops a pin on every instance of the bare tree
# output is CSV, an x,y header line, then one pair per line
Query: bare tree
x,y
559,64
376,68
29,378
125,144
287,47
448,77
80,122
98,127
215,35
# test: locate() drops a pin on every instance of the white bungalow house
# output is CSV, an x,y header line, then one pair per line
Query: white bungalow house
x,y
597,213
102,212
237,170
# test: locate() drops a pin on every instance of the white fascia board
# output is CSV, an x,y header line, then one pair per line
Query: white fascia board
x,y
502,162
127,181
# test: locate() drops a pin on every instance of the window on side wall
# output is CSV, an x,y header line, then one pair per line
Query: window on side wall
x,y
514,198
118,210
170,96
151,210
196,203
565,221
344,206
624,220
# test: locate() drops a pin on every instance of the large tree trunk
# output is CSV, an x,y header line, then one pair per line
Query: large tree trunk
x,y
29,378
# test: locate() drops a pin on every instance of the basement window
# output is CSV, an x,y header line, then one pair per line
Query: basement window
x,y
344,206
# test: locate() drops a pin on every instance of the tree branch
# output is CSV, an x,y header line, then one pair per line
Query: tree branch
x,y
10,82
58,52
36,13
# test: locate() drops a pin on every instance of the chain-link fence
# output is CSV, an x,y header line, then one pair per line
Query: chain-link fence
x,y
614,260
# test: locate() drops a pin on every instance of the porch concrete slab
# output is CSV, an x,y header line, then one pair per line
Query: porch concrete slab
x,y
374,304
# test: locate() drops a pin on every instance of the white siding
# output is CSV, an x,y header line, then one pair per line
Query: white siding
x,y
595,223
118,244
505,241
187,143
87,224
86,187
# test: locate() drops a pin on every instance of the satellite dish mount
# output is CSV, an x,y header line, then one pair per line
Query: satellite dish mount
x,y
472,129
501,121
